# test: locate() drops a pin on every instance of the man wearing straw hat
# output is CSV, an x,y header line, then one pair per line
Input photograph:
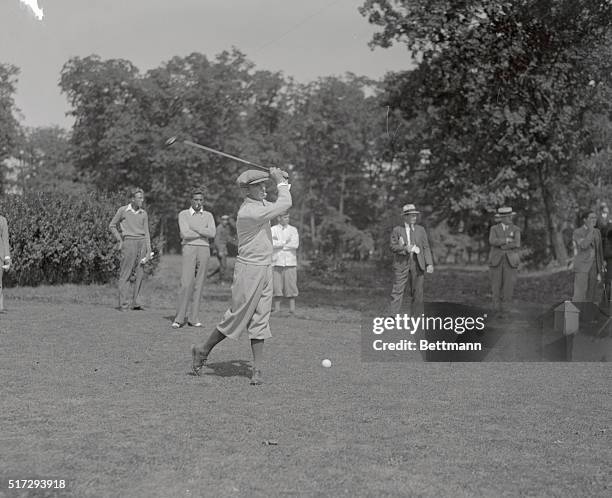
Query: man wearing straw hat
x,y
412,258
252,287
505,241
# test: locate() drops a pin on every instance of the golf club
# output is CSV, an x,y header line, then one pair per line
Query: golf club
x,y
172,140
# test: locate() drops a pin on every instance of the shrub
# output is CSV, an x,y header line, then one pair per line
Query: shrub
x,y
57,238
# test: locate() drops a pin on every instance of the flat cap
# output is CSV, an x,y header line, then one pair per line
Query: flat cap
x,y
251,177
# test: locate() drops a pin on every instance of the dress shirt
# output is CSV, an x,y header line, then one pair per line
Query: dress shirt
x,y
285,241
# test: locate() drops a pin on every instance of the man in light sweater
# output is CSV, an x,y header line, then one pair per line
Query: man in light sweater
x,y
196,227
5,255
286,240
130,226
252,286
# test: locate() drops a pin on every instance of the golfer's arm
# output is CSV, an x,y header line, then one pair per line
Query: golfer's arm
x,y
114,223
274,209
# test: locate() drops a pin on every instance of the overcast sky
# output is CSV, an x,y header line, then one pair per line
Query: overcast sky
x,y
303,39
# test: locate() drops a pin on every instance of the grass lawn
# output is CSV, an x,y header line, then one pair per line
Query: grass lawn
x,y
106,401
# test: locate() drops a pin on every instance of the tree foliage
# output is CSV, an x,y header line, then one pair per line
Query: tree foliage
x,y
60,238
9,126
501,95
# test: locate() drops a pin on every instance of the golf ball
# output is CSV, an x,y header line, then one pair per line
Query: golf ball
x,y
326,363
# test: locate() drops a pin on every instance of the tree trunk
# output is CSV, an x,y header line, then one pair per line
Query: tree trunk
x,y
342,189
301,247
555,237
313,237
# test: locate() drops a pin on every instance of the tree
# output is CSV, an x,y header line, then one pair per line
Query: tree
x,y
337,130
46,161
9,126
502,91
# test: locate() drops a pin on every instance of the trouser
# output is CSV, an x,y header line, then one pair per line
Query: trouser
x,y
132,251
585,285
503,278
195,260
608,280
251,303
222,258
407,275
1,294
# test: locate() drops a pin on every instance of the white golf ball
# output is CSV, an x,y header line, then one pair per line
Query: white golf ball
x,y
326,363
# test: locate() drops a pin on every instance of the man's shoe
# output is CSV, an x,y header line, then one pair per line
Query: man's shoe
x,y
176,325
197,324
256,379
198,360
138,308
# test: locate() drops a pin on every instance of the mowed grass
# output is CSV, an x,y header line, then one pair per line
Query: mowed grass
x,y
106,401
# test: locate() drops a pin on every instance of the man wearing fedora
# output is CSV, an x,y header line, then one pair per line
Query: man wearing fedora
x,y
411,259
505,241
588,259
252,289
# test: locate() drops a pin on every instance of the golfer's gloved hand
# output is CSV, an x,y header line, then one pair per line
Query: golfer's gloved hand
x,y
429,269
277,175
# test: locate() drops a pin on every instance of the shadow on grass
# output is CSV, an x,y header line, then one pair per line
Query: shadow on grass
x,y
233,368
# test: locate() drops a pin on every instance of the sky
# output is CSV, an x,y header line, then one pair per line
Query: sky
x,y
303,39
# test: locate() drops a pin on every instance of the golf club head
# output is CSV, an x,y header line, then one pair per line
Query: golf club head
x,y
170,141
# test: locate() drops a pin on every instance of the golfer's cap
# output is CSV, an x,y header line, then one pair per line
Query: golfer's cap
x,y
410,209
225,217
251,177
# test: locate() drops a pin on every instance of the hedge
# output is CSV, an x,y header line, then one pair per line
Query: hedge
x,y
57,238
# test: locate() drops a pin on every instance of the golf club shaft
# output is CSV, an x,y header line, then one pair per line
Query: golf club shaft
x,y
224,154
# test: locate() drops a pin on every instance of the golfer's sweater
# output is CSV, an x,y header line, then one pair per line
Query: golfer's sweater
x,y
196,227
133,225
253,227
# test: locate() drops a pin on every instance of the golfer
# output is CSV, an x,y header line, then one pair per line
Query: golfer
x,y
130,226
252,286
196,227
5,255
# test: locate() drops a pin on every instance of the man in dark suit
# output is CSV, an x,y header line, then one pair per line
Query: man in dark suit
x,y
412,258
605,228
505,241
588,259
